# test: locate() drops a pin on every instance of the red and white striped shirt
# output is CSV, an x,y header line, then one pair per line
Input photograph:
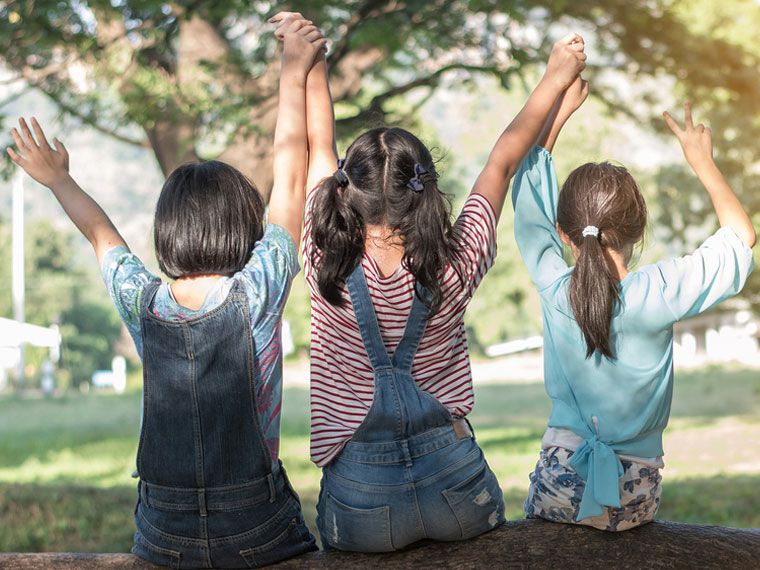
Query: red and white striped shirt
x,y
342,380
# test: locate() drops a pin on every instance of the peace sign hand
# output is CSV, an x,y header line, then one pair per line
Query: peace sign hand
x,y
696,140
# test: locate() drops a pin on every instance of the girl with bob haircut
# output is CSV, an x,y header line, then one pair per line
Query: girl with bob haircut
x,y
390,278
212,492
608,330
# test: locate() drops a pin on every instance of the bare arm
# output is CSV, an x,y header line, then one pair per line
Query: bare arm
x,y
50,166
302,42
320,124
696,143
566,105
565,63
320,117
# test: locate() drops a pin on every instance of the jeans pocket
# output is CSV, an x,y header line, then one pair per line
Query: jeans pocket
x,y
477,502
293,540
156,554
354,529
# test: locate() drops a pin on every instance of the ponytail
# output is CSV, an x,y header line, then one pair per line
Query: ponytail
x,y
428,247
607,196
593,296
338,235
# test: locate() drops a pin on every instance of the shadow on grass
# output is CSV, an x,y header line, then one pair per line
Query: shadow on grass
x,y
39,518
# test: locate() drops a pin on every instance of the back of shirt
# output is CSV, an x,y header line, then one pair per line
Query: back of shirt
x,y
625,401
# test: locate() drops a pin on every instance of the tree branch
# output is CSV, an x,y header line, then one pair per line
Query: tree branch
x,y
90,121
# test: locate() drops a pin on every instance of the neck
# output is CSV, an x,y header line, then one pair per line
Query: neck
x,y
382,237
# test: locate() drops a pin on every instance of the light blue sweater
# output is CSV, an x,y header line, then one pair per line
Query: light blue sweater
x,y
620,405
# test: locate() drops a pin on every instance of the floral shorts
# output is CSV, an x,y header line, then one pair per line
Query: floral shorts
x,y
556,489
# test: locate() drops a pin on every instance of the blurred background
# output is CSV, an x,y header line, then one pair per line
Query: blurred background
x,y
136,87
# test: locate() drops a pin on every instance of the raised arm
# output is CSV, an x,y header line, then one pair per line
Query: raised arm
x,y
696,143
569,102
567,60
320,117
50,166
320,124
302,42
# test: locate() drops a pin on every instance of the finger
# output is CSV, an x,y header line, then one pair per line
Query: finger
x,y
26,134
577,46
570,38
298,25
314,36
19,141
671,122
38,132
280,16
59,148
14,157
581,56
708,132
700,128
306,30
687,119
584,88
321,44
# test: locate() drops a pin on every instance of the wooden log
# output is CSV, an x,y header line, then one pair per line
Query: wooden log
x,y
517,544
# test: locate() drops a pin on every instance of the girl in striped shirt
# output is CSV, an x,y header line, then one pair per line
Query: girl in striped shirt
x,y
390,278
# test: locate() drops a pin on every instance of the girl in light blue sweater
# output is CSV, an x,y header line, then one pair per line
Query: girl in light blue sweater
x,y
608,331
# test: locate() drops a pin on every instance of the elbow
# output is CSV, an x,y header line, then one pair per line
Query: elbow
x,y
751,238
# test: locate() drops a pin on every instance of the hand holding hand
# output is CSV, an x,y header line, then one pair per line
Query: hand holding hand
x,y
566,61
573,98
696,141
303,41
45,164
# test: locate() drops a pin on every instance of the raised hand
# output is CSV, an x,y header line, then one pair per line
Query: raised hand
x,y
50,166
303,41
47,165
696,141
566,61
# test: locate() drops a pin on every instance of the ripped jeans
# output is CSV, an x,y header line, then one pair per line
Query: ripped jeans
x,y
380,497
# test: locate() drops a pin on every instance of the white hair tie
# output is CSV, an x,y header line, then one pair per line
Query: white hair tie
x,y
591,231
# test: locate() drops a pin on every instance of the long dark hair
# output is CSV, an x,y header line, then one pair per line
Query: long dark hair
x,y
378,166
607,197
208,218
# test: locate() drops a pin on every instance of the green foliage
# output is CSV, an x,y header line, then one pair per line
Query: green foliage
x,y
60,291
65,464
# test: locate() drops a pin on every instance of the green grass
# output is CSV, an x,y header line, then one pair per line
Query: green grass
x,y
65,464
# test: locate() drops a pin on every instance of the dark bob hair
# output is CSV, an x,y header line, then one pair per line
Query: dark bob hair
x,y
208,218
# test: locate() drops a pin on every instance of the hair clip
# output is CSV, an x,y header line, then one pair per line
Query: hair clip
x,y
591,231
340,174
416,183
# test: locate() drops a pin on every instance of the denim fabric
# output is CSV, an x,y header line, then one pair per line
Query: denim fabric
x,y
209,495
405,475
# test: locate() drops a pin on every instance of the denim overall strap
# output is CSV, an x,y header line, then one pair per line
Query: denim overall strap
x,y
400,409
367,320
403,357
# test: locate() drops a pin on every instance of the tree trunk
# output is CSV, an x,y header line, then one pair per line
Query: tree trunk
x,y
517,544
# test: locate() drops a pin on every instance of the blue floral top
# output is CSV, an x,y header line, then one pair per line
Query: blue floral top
x,y
618,406
266,279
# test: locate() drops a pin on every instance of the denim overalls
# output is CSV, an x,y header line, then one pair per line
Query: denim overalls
x,y
410,471
208,493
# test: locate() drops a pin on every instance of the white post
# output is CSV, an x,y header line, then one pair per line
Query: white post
x,y
18,264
